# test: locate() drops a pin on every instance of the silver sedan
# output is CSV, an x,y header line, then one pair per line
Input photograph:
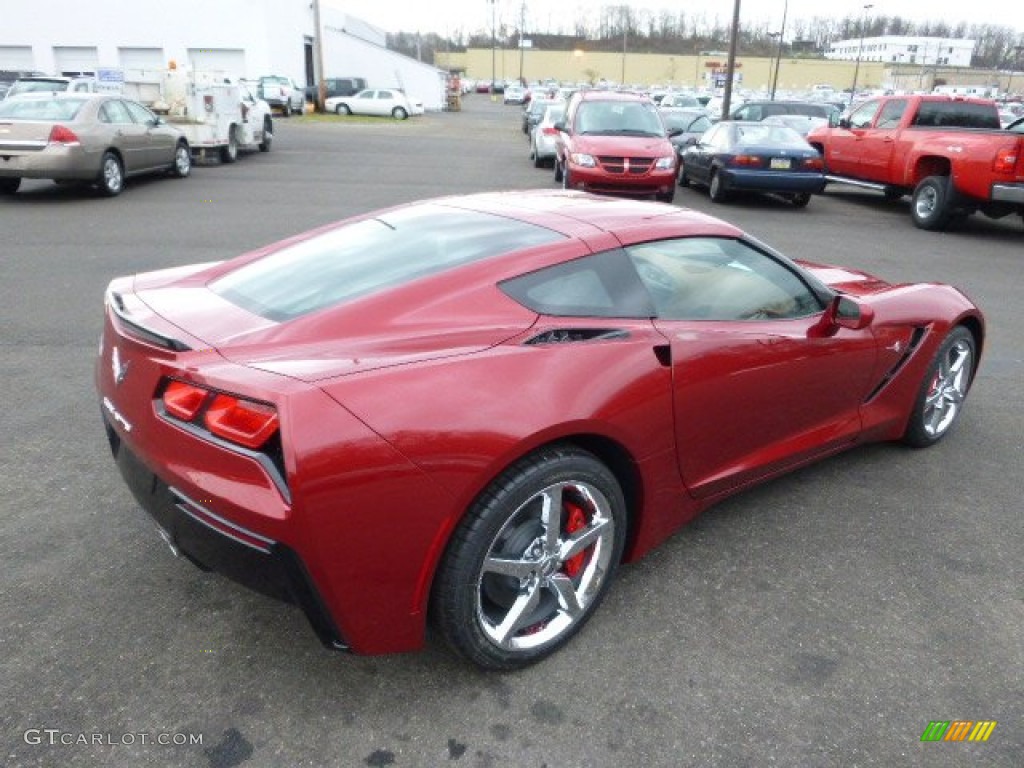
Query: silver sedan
x,y
97,138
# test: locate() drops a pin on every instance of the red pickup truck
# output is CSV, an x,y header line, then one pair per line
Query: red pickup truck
x,y
948,153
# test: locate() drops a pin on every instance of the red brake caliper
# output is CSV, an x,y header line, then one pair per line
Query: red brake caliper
x,y
575,520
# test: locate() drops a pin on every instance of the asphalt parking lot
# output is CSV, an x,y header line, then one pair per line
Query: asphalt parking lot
x,y
823,619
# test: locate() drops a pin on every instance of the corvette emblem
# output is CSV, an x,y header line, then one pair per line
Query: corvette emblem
x,y
119,371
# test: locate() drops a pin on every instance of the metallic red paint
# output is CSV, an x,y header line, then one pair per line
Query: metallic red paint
x,y
397,410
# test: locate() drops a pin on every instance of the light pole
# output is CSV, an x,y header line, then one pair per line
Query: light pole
x,y
778,55
625,27
494,54
860,51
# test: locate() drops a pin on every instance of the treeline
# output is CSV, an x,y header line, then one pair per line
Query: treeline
x,y
664,32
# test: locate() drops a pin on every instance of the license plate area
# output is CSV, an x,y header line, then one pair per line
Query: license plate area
x,y
780,164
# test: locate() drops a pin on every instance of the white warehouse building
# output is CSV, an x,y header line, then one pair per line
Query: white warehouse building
x,y
240,38
896,49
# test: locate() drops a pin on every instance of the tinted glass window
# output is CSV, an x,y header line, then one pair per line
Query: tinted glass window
x,y
863,116
601,285
619,117
706,278
139,112
891,114
957,114
115,112
373,255
41,109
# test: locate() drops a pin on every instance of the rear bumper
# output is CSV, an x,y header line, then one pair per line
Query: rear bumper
x,y
1008,193
768,181
53,162
214,543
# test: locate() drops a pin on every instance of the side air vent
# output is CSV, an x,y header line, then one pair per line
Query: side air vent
x,y
915,340
573,335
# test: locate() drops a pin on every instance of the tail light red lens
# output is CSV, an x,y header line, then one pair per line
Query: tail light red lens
x,y
1006,160
752,161
183,400
61,134
241,421
814,164
549,131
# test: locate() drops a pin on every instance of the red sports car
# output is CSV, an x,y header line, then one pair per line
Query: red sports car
x,y
474,408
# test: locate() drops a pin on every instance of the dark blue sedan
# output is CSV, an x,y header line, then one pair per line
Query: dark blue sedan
x,y
753,157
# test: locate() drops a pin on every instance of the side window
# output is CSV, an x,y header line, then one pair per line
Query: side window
x,y
891,114
139,112
748,113
367,94
384,95
864,115
116,112
711,278
601,285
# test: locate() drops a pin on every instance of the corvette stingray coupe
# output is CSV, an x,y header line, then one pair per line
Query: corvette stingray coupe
x,y
470,410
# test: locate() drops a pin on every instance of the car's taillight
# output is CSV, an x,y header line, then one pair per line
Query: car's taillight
x,y
814,164
241,421
550,131
748,160
183,400
1006,160
60,134
229,417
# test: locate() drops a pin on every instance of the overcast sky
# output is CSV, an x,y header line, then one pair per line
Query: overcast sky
x,y
448,16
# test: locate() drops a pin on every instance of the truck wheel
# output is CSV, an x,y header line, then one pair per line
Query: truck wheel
x,y
268,134
9,186
930,207
229,153
182,161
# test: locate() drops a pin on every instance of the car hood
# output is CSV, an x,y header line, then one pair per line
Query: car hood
x,y
631,146
334,342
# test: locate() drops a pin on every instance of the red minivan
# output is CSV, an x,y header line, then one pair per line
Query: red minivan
x,y
616,143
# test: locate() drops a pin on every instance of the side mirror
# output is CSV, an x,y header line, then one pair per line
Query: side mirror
x,y
692,141
843,312
674,132
844,122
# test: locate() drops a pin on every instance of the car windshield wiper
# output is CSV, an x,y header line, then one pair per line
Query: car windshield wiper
x,y
630,132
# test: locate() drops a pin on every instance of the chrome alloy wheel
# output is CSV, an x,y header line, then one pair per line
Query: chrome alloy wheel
x,y
545,566
926,202
948,389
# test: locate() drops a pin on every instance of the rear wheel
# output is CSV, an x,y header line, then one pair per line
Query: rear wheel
x,y
399,113
717,188
9,186
268,134
532,559
111,180
229,153
684,180
930,206
943,391
182,160
538,161
800,199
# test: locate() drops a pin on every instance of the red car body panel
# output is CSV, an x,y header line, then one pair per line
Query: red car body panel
x,y
397,409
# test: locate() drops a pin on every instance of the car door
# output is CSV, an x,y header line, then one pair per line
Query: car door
x,y
157,142
386,101
846,144
125,134
756,387
697,158
365,103
878,143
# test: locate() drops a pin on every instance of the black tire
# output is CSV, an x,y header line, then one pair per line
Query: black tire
x,y
399,113
342,109
9,186
566,178
666,197
538,161
892,193
800,199
717,188
930,205
684,180
558,170
943,391
182,166
229,153
510,589
111,178
268,134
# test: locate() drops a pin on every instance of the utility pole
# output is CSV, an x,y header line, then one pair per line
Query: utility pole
x,y
625,27
730,66
318,58
860,51
494,53
522,46
778,55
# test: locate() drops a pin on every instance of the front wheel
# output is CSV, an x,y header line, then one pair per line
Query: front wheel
x,y
9,186
930,206
532,559
684,180
111,180
800,199
943,391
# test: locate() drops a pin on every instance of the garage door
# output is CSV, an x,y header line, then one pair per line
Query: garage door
x,y
16,57
141,63
70,60
227,61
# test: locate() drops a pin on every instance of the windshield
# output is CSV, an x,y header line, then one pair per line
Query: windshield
x,y
748,134
618,118
34,86
370,256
